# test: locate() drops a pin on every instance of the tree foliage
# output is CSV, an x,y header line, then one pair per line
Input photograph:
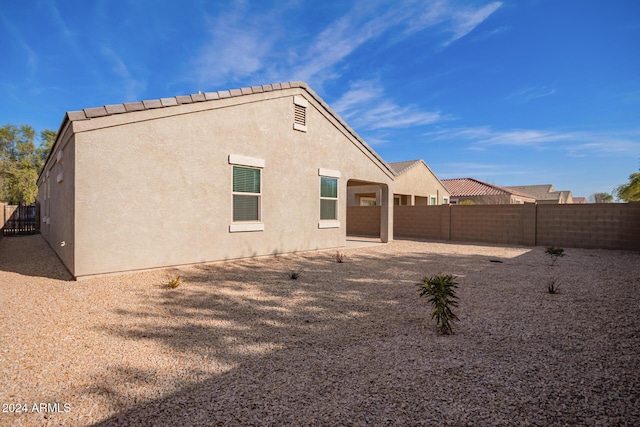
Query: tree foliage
x,y
21,162
630,191
602,198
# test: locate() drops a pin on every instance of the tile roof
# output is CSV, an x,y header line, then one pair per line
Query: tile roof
x,y
467,187
540,192
107,110
401,167
127,107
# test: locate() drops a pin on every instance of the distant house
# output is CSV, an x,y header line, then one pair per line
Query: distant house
x,y
205,177
414,184
545,194
482,193
579,200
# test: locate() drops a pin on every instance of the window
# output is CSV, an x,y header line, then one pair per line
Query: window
x,y
367,201
328,198
433,200
445,201
246,194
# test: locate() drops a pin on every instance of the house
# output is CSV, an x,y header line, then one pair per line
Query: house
x,y
545,194
482,193
414,184
579,200
212,176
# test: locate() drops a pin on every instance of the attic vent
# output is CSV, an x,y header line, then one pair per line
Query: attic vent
x,y
300,113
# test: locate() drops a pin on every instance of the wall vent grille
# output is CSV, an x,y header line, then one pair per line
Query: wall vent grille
x,y
300,115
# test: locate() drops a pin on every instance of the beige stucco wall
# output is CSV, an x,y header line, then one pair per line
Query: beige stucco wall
x,y
57,211
154,190
413,187
419,181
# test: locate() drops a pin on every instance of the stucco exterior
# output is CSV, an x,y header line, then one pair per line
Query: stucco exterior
x,y
153,188
415,184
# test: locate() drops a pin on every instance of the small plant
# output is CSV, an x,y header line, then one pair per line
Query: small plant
x,y
340,257
441,292
554,253
295,274
552,286
174,283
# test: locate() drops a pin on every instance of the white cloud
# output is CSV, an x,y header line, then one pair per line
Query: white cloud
x,y
532,93
572,143
130,86
243,45
366,106
464,20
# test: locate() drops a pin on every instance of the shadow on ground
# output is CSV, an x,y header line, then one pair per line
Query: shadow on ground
x,y
317,350
30,255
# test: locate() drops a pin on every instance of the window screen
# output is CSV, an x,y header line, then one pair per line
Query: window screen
x,y
246,194
328,198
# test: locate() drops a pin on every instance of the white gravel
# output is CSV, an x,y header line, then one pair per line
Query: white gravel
x,y
239,343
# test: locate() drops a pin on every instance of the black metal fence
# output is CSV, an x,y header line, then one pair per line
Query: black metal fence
x,y
21,220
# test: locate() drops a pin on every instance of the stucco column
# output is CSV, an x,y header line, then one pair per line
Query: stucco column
x,y
386,215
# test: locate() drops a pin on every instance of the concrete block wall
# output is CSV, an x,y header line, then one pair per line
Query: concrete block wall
x,y
363,220
605,226
421,222
501,224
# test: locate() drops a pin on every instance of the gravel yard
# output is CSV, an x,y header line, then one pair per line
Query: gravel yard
x,y
240,343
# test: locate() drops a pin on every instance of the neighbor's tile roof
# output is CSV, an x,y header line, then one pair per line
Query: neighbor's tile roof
x,y
128,107
468,187
540,192
401,167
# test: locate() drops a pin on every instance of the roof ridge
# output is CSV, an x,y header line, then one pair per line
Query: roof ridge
x,y
128,107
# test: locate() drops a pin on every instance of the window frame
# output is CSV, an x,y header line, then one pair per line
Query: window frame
x,y
335,175
237,161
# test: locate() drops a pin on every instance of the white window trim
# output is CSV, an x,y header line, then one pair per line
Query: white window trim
x,y
329,223
445,200
433,196
329,173
239,160
252,162
241,227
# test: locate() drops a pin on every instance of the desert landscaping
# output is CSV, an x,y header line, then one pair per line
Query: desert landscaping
x,y
351,343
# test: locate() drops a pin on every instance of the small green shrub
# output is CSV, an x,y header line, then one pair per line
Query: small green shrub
x,y
174,283
340,257
441,292
552,286
554,253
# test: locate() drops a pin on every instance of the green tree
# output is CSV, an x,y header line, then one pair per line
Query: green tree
x,y
601,198
21,161
629,192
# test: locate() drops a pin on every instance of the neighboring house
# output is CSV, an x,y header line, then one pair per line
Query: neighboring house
x,y
579,200
482,193
414,184
205,177
545,194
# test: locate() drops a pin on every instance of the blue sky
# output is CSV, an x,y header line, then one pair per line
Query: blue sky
x,y
509,92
